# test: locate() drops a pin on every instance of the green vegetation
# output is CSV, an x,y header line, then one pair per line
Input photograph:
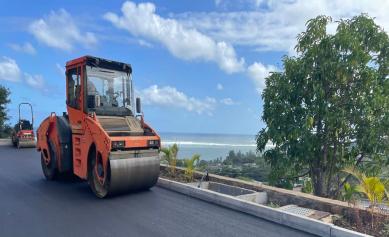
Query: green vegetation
x,y
329,108
245,166
170,155
190,165
273,205
349,193
307,186
5,129
372,187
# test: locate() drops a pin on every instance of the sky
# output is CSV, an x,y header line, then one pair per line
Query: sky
x,y
198,66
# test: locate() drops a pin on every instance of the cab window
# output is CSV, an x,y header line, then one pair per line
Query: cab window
x,y
74,87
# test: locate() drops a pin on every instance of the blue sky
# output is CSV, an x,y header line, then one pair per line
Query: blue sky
x,y
199,66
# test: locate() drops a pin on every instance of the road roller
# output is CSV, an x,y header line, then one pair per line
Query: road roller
x,y
23,132
102,138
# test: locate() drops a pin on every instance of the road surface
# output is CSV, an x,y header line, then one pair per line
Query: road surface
x,y
32,206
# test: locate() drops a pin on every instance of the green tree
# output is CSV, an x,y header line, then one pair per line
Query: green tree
x,y
329,107
5,129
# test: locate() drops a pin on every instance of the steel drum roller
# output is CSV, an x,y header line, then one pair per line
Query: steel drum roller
x,y
26,144
135,173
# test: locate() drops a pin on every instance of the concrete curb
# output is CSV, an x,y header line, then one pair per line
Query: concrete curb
x,y
294,221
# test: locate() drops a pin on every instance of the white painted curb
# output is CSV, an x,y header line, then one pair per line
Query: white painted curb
x,y
302,223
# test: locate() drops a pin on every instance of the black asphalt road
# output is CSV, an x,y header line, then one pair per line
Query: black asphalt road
x,y
32,206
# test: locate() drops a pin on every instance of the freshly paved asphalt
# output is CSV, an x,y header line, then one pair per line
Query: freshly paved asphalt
x,y
32,206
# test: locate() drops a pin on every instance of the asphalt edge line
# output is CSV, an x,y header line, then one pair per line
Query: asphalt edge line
x,y
301,223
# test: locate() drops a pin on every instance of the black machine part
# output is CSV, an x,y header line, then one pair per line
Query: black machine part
x,y
64,132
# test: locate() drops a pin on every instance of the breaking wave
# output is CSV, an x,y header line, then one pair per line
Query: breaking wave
x,y
192,143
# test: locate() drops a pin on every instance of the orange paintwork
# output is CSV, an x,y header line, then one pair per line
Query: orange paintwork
x,y
86,131
23,134
46,132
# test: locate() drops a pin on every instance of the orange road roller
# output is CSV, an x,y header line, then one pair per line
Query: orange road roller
x,y
103,137
23,131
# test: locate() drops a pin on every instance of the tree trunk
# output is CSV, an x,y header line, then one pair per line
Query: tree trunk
x,y
319,178
319,166
318,182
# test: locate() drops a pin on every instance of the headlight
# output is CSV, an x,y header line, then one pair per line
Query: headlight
x,y
153,143
118,144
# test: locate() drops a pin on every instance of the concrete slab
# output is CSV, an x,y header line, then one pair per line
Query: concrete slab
x,y
257,197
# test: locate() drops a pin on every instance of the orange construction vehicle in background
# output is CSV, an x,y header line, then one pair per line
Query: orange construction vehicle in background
x,y
23,131
102,138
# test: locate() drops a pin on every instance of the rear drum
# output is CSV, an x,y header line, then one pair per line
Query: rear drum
x,y
48,163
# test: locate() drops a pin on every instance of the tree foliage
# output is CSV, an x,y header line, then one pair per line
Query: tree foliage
x,y
5,129
242,165
349,193
170,155
190,165
239,158
330,106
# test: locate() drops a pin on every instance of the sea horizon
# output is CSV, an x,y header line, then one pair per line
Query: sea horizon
x,y
209,146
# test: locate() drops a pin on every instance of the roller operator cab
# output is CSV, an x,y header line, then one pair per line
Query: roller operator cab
x,y
102,138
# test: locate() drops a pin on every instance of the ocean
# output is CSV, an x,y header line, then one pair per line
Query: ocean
x,y
209,146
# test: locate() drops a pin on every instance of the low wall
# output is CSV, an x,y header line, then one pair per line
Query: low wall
x,y
285,197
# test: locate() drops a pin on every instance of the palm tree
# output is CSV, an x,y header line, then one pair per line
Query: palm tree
x,y
349,192
189,164
372,187
170,155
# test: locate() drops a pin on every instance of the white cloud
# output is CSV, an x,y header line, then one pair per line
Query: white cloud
x,y
217,2
24,48
276,24
170,97
59,30
35,81
183,42
219,87
228,101
9,70
258,72
238,4
144,43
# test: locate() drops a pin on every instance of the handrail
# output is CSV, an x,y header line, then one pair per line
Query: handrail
x,y
32,113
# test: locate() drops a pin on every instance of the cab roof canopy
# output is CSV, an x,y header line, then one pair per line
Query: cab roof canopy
x,y
100,62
